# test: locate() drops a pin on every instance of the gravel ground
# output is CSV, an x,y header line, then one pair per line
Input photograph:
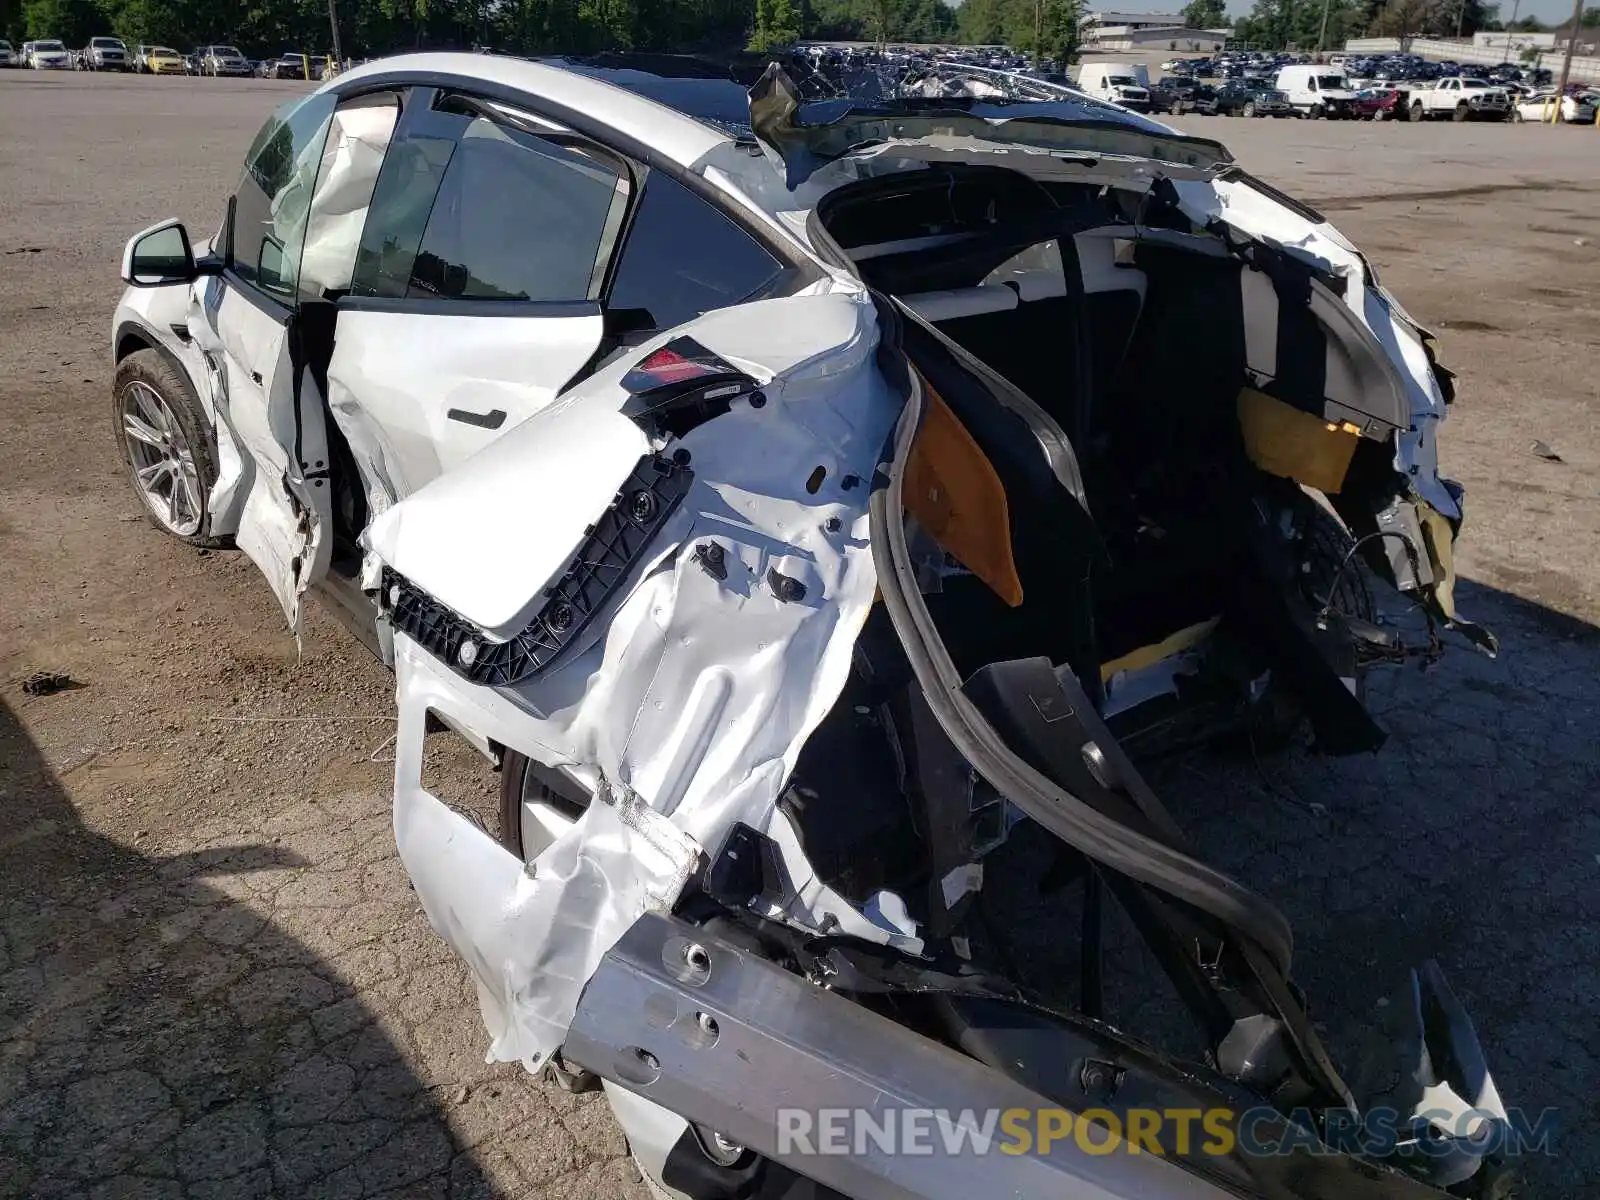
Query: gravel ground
x,y
214,979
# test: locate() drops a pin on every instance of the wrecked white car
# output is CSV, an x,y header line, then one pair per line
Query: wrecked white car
x,y
792,496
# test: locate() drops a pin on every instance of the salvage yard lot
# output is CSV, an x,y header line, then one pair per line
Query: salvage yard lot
x,y
214,978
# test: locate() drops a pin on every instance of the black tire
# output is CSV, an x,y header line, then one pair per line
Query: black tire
x,y
520,779
1418,113
155,371
1249,109
1461,113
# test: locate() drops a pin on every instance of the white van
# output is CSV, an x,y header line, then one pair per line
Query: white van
x,y
1127,84
1317,91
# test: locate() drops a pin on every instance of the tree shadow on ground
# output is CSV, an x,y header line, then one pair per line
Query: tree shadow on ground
x,y
159,1037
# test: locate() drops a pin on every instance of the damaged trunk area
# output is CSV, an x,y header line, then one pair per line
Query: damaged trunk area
x,y
1211,441
1116,523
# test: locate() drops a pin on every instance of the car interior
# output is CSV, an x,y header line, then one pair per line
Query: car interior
x,y
1204,523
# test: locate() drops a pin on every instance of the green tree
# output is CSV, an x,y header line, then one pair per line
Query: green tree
x,y
1408,18
981,22
777,23
1205,14
73,21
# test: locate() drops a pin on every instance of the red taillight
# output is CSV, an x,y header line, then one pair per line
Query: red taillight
x,y
668,366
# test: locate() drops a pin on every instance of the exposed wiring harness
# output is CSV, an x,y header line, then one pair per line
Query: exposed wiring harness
x,y
1435,647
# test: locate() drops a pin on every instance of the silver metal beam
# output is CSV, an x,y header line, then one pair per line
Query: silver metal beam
x,y
732,1042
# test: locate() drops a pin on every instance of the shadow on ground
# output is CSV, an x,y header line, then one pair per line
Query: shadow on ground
x,y
1472,838
160,1038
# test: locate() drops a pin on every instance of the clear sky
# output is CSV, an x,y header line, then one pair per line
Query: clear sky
x,y
1551,12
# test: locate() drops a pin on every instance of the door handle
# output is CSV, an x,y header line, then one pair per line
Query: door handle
x,y
492,419
255,376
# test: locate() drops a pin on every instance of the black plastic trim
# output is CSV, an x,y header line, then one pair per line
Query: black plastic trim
x,y
612,547
279,310
446,307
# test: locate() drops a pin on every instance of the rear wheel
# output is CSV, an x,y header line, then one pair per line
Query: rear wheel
x,y
1417,111
1249,108
167,445
536,803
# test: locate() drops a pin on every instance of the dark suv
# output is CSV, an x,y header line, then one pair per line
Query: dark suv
x,y
1176,95
1245,98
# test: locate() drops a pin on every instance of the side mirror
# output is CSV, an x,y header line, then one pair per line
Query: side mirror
x,y
159,256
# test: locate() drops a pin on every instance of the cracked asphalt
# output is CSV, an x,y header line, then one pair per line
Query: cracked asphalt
x,y
214,979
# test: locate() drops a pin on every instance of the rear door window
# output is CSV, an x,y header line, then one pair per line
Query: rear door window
x,y
683,257
478,209
518,217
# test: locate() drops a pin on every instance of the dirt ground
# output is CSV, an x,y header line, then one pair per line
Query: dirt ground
x,y
214,978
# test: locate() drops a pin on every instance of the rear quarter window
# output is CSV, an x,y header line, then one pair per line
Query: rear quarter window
x,y
683,257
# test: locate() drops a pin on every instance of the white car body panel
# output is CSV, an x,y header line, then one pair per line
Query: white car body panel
x,y
395,377
693,704
286,537
484,541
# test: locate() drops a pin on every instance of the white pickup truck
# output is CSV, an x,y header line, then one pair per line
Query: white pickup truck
x,y
1460,98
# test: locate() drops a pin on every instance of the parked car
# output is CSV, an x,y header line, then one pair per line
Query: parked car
x,y
47,54
1127,84
1175,95
8,55
158,60
104,54
1241,99
1314,91
1379,104
1576,108
224,60
799,562
1461,98
318,64
287,66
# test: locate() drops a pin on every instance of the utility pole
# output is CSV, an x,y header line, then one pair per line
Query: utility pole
x,y
1038,29
1505,46
333,23
1322,34
1566,60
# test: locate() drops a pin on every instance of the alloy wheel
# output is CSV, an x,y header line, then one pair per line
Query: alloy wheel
x,y
163,463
